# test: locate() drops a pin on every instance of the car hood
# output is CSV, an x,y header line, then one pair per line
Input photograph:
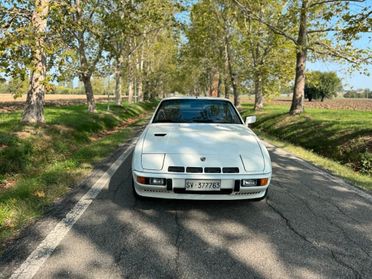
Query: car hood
x,y
223,145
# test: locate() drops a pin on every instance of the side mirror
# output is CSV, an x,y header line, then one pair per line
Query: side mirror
x,y
250,119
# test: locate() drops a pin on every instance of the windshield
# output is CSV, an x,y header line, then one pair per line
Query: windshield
x,y
196,111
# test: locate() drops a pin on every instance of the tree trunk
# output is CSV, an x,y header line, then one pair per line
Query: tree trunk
x,y
226,69
235,90
215,84
140,76
86,71
140,89
227,93
219,86
135,89
231,73
297,106
89,93
34,107
130,90
258,96
118,88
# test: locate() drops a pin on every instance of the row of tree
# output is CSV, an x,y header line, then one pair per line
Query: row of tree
x,y
361,93
262,45
46,41
220,47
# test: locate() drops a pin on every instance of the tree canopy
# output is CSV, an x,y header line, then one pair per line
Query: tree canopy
x,y
150,48
321,85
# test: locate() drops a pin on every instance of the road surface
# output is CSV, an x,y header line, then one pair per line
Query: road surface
x,y
311,226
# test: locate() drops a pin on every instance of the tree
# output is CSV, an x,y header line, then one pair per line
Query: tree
x,y
120,27
79,24
23,51
267,55
212,36
316,21
130,26
322,85
34,108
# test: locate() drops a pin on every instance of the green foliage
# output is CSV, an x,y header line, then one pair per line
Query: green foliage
x,y
20,38
320,85
47,161
15,157
17,87
341,135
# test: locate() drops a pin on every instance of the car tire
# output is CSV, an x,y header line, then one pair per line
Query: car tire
x,y
263,197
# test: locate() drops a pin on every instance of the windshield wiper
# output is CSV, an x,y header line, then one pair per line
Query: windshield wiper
x,y
168,121
202,121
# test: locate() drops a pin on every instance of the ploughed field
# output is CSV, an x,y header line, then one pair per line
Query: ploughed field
x,y
8,103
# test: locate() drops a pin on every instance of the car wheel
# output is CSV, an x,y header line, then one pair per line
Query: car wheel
x,y
263,197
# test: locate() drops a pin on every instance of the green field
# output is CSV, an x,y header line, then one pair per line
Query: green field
x,y
344,136
39,164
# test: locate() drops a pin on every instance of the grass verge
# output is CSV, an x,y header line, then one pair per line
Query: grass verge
x,y
39,164
339,141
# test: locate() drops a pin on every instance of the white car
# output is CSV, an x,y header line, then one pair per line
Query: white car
x,y
200,148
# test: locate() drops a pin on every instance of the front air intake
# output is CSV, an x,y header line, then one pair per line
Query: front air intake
x,y
194,169
212,170
230,170
176,169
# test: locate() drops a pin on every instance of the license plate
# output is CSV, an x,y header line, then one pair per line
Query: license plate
x,y
202,185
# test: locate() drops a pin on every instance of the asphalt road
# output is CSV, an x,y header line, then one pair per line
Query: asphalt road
x,y
311,226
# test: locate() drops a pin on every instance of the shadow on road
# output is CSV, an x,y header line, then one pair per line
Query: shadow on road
x,y
309,227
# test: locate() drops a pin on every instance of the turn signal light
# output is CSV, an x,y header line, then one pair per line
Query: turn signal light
x,y
262,181
141,179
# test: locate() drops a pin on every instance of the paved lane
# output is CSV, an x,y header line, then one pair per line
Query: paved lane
x,y
311,226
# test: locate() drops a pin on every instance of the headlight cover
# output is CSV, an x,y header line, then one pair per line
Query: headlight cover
x,y
153,161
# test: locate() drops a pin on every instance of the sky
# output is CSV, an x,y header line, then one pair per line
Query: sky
x,y
350,79
353,80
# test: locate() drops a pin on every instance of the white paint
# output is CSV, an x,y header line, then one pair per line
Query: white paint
x,y
39,256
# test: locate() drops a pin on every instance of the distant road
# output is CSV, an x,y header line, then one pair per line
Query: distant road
x,y
313,225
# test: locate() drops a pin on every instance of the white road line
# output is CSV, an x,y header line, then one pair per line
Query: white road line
x,y
38,257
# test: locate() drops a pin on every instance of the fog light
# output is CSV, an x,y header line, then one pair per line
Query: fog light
x,y
262,181
141,179
249,182
157,181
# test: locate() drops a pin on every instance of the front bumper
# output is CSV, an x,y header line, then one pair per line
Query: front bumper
x,y
175,188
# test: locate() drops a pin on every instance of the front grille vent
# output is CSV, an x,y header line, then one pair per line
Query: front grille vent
x,y
200,169
194,169
230,170
246,194
155,191
176,169
212,170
